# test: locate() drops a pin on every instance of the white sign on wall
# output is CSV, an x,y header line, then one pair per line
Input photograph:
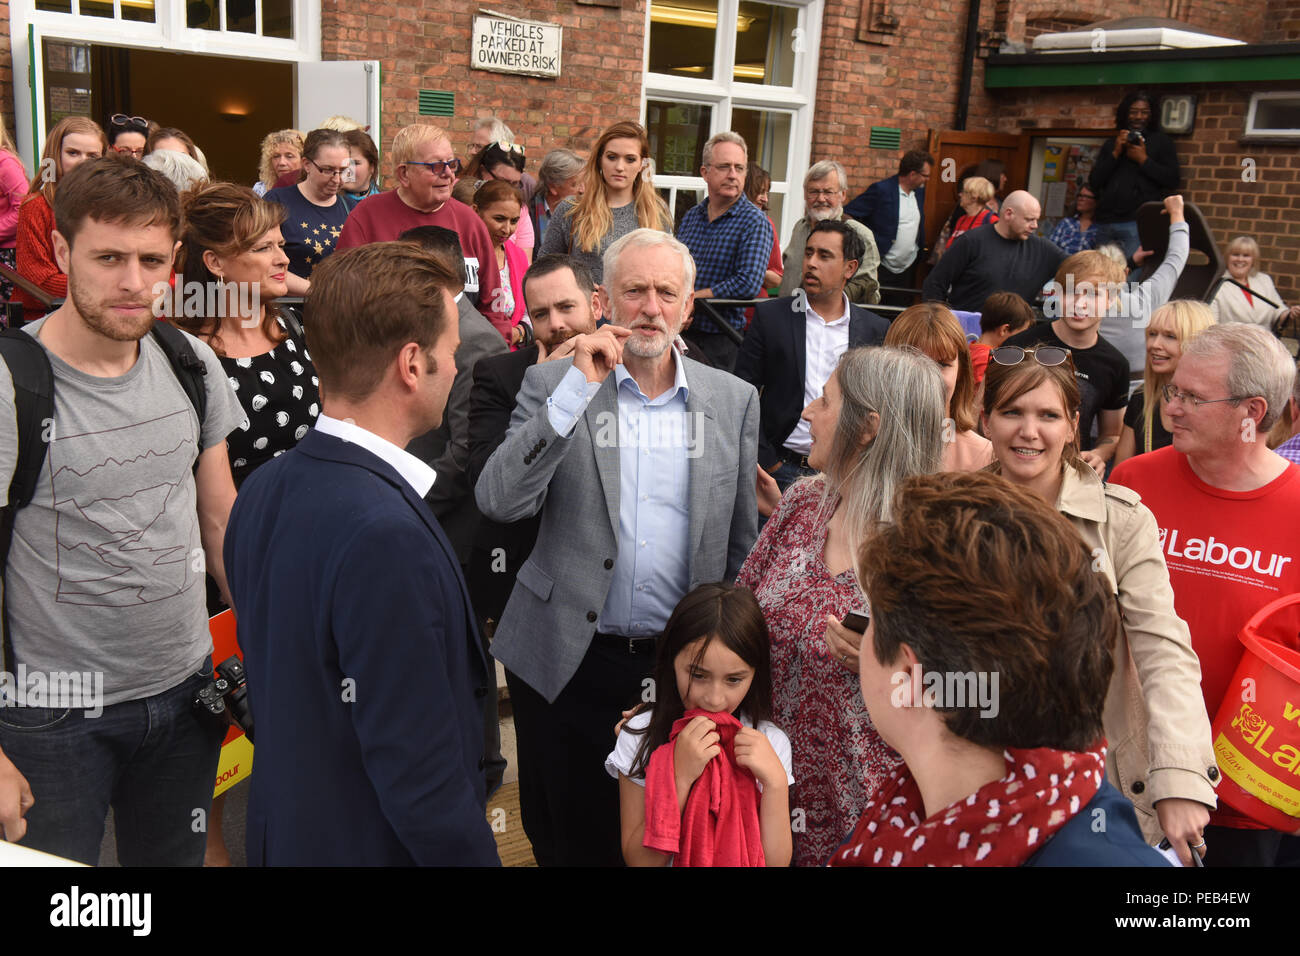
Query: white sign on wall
x,y
507,45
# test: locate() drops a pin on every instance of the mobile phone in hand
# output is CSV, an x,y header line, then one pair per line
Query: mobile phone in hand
x,y
856,621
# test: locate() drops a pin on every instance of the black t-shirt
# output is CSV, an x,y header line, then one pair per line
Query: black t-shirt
x,y
1135,418
1102,373
981,262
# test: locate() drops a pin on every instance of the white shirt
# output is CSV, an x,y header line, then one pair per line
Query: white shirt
x,y
903,251
824,343
416,473
629,740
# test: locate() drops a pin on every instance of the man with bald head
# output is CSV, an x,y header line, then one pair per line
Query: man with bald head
x,y
1004,256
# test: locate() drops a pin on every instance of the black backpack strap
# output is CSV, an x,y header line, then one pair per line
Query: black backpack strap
x,y
189,368
33,380
293,321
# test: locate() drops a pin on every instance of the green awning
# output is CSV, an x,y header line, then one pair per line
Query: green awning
x,y
1230,64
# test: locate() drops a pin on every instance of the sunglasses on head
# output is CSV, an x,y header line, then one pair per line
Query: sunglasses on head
x,y
1047,355
121,119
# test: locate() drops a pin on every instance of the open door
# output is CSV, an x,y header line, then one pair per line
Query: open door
x,y
337,87
953,151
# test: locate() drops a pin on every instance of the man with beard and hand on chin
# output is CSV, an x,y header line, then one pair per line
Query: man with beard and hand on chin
x,y
825,187
642,464
562,303
105,574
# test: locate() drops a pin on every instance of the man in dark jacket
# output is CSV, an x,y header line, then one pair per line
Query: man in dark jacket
x,y
1138,165
894,210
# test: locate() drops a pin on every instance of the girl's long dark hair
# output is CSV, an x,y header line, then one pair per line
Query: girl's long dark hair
x,y
721,612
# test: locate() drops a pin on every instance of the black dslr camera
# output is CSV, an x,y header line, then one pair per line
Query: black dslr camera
x,y
1134,138
227,694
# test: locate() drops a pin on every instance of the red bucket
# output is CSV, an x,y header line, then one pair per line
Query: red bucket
x,y
1257,730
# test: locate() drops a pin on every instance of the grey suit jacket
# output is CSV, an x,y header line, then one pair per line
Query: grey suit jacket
x,y
551,617
446,448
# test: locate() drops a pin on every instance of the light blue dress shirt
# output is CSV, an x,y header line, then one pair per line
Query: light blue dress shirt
x,y
652,570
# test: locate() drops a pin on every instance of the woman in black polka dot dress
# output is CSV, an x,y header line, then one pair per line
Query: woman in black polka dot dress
x,y
231,265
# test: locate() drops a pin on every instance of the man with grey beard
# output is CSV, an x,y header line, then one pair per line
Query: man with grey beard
x,y
642,464
825,188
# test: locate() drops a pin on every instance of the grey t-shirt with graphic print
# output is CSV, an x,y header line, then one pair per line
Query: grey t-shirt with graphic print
x,y
106,569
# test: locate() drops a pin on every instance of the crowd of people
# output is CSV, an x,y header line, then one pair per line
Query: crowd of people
x,y
731,561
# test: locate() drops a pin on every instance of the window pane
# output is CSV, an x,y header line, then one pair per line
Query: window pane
x,y
141,11
54,6
241,16
682,37
97,8
765,44
277,19
1277,114
767,134
202,15
677,134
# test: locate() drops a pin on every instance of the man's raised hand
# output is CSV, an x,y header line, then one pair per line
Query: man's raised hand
x,y
595,355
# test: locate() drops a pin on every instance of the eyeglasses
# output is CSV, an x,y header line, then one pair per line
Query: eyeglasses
x,y
440,167
329,172
737,168
1048,355
128,151
1176,394
823,193
121,119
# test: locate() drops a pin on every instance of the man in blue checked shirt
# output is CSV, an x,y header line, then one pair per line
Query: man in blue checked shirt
x,y
730,240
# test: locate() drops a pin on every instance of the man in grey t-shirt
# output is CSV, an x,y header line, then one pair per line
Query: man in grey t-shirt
x,y
105,579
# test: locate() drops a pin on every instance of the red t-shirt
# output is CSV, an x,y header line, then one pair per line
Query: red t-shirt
x,y
383,217
1229,554
979,360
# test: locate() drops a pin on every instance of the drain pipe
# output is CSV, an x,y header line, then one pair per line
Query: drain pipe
x,y
967,63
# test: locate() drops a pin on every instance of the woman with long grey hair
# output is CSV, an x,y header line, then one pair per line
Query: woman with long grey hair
x,y
878,421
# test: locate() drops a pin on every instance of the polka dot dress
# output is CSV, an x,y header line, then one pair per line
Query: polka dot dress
x,y
280,395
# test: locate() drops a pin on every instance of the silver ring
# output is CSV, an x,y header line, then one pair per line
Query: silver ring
x,y
1198,846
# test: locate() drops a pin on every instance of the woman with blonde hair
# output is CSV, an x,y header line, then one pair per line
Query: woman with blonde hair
x,y
618,197
974,198
1172,326
13,189
878,421
281,154
73,140
933,329
1232,303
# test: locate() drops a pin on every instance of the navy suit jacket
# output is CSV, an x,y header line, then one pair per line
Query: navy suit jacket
x,y
365,674
877,209
773,358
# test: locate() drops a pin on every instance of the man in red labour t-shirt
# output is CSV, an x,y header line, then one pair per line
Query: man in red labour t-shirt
x,y
1226,506
426,167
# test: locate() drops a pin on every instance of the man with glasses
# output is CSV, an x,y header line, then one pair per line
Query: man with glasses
x,y
730,240
1226,506
426,168
824,189
894,210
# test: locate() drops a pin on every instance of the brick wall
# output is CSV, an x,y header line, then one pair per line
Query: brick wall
x,y
427,46
1282,22
1242,188
7,71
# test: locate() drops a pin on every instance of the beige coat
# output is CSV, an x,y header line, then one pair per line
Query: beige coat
x,y
1156,727
1230,304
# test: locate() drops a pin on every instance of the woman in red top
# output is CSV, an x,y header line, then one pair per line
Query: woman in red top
x,y
879,419
73,140
976,193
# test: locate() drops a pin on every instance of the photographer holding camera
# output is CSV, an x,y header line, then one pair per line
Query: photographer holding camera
x,y
1138,165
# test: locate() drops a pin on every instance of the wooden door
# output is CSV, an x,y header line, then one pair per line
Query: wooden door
x,y
953,151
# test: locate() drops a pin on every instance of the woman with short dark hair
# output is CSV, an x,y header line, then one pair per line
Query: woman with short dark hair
x,y
990,685
314,213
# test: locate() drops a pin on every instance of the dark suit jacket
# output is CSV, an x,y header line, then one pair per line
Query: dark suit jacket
x,y
365,675
499,547
877,209
446,448
773,358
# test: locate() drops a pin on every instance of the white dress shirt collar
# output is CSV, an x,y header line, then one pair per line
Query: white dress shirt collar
x,y
415,472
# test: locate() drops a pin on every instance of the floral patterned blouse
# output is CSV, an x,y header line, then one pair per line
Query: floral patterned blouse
x,y
839,759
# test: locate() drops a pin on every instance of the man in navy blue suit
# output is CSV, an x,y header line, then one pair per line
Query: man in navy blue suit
x,y
795,342
894,210
365,675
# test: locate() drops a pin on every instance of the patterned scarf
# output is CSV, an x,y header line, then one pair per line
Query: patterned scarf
x,y
1001,824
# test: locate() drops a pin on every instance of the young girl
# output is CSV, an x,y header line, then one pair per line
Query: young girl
x,y
713,656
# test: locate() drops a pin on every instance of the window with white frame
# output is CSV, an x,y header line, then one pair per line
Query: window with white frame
x,y
1274,116
714,65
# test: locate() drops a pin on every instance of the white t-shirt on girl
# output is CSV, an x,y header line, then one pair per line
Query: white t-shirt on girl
x,y
620,759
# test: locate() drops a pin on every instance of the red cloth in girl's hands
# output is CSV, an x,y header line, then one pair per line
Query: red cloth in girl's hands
x,y
719,825
1002,824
